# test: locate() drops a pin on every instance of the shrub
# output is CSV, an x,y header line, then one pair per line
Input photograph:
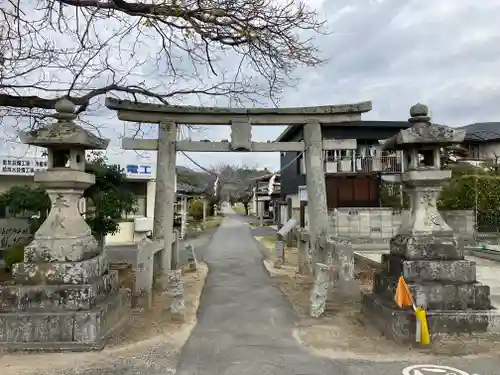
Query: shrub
x,y
13,255
196,209
470,192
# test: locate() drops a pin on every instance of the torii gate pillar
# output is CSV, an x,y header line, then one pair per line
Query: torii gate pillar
x,y
165,189
316,188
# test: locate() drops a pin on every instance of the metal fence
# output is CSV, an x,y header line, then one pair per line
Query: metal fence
x,y
384,164
487,234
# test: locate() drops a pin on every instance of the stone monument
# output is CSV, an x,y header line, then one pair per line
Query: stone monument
x,y
63,296
425,251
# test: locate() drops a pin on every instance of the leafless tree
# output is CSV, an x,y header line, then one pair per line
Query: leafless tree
x,y
236,182
165,51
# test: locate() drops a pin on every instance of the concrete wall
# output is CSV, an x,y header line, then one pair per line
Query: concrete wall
x,y
124,236
367,224
380,224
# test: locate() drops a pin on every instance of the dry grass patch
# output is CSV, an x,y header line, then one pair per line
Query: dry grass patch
x,y
343,333
340,332
156,320
195,228
213,222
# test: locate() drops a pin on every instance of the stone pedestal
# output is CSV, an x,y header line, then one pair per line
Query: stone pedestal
x,y
57,306
426,253
63,296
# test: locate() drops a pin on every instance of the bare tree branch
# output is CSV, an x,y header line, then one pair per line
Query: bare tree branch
x,y
161,50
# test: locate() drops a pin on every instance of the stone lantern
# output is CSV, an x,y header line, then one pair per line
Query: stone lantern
x,y
63,296
425,251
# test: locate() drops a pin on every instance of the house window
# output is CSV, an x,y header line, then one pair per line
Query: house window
x,y
362,151
337,155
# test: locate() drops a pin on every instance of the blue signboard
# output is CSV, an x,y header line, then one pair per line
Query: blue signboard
x,y
142,170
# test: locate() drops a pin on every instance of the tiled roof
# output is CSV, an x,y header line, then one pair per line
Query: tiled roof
x,y
482,131
291,130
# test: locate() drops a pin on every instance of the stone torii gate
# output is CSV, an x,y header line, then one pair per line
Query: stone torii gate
x,y
241,122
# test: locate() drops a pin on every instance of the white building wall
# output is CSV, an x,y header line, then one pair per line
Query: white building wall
x,y
15,171
489,150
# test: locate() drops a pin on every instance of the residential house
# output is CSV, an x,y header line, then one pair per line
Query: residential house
x,y
352,174
266,195
482,141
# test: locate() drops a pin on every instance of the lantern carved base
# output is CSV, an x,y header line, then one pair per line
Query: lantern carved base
x,y
443,283
62,306
400,324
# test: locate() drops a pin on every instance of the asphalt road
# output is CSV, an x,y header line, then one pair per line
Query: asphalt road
x,y
245,324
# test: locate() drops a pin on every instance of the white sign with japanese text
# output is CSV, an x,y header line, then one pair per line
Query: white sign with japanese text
x,y
22,166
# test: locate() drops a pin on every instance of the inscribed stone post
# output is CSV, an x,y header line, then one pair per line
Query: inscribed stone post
x,y
175,250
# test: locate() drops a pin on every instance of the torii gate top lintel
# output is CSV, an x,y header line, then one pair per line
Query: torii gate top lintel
x,y
193,115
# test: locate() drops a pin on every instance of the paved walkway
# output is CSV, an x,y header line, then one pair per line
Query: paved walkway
x,y
245,323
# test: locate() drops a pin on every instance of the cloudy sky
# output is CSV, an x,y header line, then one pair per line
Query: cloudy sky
x,y
444,53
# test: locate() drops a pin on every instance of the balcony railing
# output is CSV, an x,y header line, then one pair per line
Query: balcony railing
x,y
363,164
264,190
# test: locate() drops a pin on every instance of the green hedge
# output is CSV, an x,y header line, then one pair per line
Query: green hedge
x,y
460,194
